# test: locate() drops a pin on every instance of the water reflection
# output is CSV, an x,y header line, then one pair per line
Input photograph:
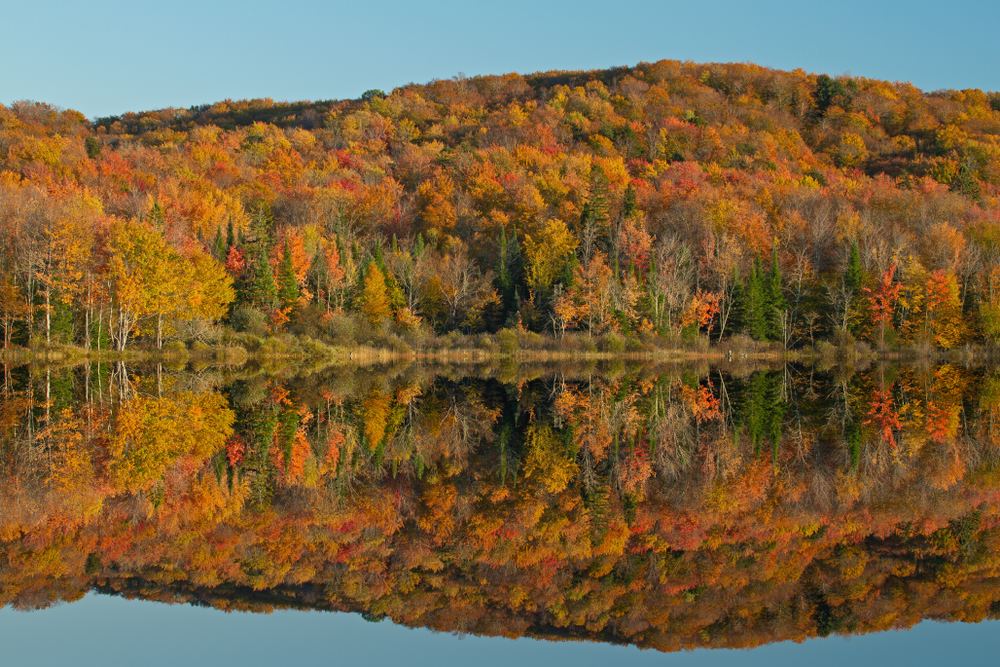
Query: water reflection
x,y
664,507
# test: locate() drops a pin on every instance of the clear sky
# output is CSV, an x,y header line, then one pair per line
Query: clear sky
x,y
106,57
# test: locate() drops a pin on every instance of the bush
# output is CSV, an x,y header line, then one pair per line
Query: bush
x,y
175,347
825,348
613,343
633,344
342,331
529,340
247,319
398,345
508,341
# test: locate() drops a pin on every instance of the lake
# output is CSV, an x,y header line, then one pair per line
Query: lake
x,y
500,512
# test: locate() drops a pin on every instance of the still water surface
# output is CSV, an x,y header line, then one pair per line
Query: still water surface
x,y
507,508
112,632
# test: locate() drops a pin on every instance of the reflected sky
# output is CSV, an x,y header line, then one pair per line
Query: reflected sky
x,y
101,630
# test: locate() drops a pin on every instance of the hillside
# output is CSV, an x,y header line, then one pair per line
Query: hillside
x,y
658,203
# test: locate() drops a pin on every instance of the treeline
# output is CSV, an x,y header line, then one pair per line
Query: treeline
x,y
661,202
666,510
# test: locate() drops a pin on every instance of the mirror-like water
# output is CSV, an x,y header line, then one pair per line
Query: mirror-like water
x,y
662,507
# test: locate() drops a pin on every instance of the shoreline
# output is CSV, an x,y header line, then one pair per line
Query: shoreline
x,y
238,352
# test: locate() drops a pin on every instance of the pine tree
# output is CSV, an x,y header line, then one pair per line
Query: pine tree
x,y
260,288
508,269
289,292
853,277
629,204
737,316
774,299
854,282
219,249
755,320
595,209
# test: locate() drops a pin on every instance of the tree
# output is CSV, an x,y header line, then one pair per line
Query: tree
x,y
289,286
375,295
546,253
211,289
464,288
136,252
882,301
775,304
754,307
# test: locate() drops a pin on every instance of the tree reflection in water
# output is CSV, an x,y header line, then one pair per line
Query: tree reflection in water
x,y
665,507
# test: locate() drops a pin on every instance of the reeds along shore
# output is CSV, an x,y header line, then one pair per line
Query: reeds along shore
x,y
521,346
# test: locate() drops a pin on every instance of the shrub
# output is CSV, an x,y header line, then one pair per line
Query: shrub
x,y
613,343
248,319
508,341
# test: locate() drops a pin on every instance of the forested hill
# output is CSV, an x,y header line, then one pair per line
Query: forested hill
x,y
665,200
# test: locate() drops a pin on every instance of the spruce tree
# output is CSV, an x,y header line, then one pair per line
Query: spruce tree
x,y
289,292
737,316
260,288
219,249
853,277
774,299
755,318
853,281
629,204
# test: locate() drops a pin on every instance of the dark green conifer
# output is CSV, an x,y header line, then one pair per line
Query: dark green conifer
x,y
289,292
755,320
774,299
219,246
853,277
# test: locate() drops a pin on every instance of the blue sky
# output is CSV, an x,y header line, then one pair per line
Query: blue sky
x,y
109,56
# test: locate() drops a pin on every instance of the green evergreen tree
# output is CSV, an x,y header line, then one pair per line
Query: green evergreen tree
x,y
629,204
289,292
230,236
774,299
853,276
737,316
260,288
854,279
754,316
219,249
509,269
595,209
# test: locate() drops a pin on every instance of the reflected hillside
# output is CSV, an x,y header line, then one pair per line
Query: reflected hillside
x,y
664,507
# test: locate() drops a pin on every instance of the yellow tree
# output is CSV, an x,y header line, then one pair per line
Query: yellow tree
x,y
211,289
147,278
546,252
375,295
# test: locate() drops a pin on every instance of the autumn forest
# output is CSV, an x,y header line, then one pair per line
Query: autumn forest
x,y
641,207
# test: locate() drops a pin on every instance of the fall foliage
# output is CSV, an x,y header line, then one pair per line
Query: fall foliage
x,y
611,201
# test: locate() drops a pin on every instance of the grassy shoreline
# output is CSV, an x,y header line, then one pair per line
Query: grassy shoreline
x,y
236,349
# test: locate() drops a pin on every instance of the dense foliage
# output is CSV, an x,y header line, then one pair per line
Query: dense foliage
x,y
666,508
666,199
